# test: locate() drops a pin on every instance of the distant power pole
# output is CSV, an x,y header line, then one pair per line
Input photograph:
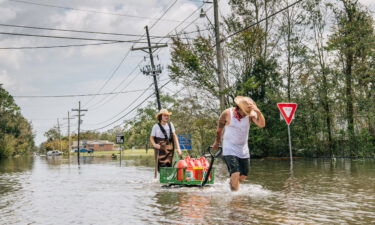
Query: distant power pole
x,y
79,110
58,128
69,137
154,70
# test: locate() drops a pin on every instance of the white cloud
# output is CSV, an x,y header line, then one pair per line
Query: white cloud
x,y
7,14
5,79
80,70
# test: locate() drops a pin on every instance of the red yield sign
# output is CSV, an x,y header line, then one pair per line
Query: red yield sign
x,y
287,110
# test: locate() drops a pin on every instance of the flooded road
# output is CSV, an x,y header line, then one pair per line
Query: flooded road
x,y
55,190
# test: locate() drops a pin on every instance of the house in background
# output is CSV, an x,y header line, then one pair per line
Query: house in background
x,y
97,145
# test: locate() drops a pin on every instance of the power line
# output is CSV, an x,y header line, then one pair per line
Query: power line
x,y
59,46
130,110
75,31
66,37
165,12
273,14
91,11
89,32
174,94
127,107
130,50
70,96
103,99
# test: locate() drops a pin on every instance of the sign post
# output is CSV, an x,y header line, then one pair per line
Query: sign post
x,y
288,110
185,141
120,141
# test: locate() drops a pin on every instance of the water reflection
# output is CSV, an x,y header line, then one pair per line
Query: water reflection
x,y
56,191
19,164
193,207
10,170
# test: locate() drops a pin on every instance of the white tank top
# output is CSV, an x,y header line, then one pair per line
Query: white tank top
x,y
236,135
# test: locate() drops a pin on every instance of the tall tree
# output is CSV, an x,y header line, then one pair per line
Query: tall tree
x,y
353,41
16,136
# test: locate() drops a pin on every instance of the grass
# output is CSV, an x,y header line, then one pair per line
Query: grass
x,y
126,152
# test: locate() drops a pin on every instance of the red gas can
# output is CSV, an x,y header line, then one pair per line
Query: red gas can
x,y
181,164
190,169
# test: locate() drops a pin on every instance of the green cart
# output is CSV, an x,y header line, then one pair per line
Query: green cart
x,y
168,175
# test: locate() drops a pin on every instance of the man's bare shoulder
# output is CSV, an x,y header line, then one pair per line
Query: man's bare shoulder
x,y
225,113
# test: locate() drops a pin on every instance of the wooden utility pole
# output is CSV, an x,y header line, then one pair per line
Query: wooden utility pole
x,y
79,110
58,128
154,70
219,57
69,137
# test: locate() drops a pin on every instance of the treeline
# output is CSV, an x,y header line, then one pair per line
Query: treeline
x,y
319,54
16,136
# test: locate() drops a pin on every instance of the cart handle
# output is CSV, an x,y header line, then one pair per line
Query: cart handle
x,y
213,156
217,153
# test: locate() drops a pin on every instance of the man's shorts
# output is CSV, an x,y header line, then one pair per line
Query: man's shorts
x,y
236,164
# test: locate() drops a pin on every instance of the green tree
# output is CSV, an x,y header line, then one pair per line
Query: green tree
x,y
353,42
16,135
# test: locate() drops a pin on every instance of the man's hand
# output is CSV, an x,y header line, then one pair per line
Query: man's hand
x,y
156,146
254,107
215,146
179,152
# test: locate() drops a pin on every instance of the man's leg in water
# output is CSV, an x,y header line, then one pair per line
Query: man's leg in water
x,y
235,181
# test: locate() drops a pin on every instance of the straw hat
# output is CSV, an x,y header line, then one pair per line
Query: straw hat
x,y
245,104
163,112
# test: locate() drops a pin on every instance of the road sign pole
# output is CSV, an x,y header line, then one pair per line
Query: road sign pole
x,y
290,148
120,154
287,110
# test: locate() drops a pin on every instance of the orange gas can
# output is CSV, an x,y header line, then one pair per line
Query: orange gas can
x,y
181,164
190,169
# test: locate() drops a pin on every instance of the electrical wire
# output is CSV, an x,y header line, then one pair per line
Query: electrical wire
x,y
59,46
90,11
126,108
273,14
106,102
74,31
129,111
174,94
79,95
163,14
66,37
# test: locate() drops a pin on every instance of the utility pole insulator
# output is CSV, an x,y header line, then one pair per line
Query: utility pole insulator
x,y
152,70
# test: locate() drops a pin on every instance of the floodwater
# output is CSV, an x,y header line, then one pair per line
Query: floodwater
x,y
55,190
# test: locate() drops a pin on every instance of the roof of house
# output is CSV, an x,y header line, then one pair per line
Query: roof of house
x,y
93,142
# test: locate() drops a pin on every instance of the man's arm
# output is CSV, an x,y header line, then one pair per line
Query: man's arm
x,y
220,127
177,144
258,119
152,141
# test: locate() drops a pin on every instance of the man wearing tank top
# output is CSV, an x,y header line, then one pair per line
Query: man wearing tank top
x,y
235,122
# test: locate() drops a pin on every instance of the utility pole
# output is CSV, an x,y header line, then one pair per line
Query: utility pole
x,y
58,128
79,110
69,137
154,70
219,55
